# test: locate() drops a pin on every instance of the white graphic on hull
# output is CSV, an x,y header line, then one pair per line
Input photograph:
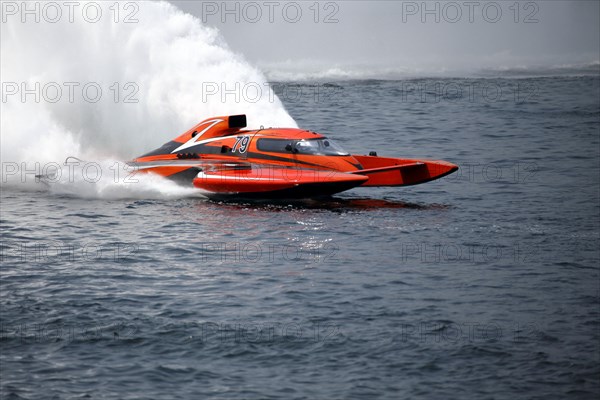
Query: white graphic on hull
x,y
193,141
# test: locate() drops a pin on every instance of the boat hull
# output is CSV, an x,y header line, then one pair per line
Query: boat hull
x,y
276,182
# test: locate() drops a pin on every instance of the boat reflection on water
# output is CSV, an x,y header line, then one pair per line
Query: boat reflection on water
x,y
327,203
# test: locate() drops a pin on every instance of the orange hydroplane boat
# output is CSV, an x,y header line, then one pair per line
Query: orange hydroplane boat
x,y
222,158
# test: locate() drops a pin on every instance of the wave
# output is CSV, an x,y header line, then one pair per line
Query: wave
x,y
305,72
587,69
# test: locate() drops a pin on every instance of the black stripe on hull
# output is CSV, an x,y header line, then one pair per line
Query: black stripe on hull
x,y
303,191
166,148
185,178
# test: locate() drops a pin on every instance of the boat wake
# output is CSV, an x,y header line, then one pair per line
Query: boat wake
x,y
109,90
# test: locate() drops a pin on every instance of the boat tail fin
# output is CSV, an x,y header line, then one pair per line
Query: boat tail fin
x,y
383,171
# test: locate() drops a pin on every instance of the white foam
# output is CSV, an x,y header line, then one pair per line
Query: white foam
x,y
110,179
169,55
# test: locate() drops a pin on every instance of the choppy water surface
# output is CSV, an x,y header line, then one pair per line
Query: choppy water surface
x,y
481,285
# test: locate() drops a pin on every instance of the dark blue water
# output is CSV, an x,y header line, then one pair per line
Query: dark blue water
x,y
482,285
